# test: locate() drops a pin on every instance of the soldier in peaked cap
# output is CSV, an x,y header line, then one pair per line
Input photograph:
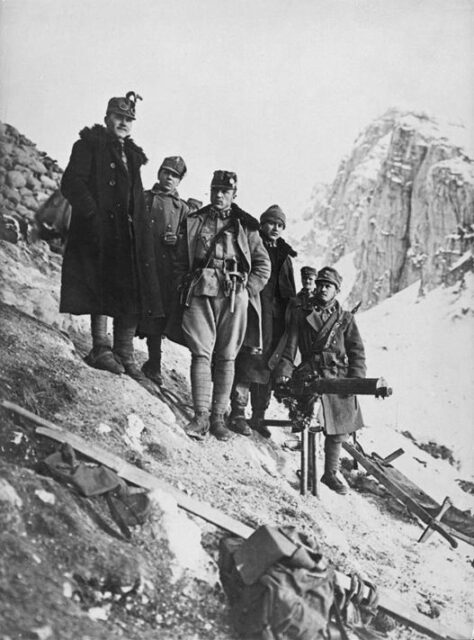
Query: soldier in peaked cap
x,y
109,261
227,266
308,280
168,213
330,345
252,376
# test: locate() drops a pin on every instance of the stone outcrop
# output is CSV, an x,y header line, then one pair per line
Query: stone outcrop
x,y
402,201
28,178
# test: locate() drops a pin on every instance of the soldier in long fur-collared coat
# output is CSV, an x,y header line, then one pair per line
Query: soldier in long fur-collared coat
x,y
109,263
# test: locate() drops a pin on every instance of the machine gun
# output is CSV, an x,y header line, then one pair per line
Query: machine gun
x,y
302,397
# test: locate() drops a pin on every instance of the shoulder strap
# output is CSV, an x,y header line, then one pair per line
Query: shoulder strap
x,y
332,331
213,242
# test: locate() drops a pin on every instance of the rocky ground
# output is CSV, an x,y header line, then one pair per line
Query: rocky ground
x,y
67,572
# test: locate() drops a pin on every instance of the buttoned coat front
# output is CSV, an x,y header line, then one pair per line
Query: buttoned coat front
x,y
274,299
168,213
253,256
109,262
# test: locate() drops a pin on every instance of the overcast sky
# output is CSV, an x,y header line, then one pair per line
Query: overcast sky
x,y
276,90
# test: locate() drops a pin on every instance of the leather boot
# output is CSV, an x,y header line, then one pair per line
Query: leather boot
x,y
218,428
238,423
152,373
198,427
332,451
255,423
101,357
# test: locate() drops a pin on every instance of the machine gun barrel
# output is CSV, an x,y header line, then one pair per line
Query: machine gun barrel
x,y
377,387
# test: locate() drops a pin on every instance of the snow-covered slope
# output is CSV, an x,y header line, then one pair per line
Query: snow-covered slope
x,y
425,348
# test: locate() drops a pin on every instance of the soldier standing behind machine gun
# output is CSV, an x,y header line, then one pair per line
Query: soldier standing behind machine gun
x,y
331,347
222,266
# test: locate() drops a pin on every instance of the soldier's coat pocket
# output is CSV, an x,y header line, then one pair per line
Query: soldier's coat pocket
x,y
207,284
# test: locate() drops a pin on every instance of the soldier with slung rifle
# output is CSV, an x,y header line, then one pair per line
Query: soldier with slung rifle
x,y
222,265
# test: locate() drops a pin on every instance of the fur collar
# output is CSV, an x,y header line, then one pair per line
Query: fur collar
x,y
98,134
245,219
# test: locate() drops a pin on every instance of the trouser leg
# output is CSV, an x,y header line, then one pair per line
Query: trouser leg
x,y
260,399
99,331
260,395
124,332
154,352
332,452
201,383
223,379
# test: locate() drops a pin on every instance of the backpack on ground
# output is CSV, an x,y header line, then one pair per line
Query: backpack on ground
x,y
280,587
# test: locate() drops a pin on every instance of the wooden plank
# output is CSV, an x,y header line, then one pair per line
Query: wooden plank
x,y
398,493
447,504
389,605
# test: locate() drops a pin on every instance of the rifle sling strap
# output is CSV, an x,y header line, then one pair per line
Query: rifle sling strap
x,y
207,258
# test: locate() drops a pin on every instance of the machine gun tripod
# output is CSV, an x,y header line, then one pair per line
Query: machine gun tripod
x,y
303,400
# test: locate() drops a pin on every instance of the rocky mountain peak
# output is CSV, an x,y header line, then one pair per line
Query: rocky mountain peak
x,y
402,201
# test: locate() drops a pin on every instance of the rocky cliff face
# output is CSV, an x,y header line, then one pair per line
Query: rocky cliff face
x,y
402,201
28,177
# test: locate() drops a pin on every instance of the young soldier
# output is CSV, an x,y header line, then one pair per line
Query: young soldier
x,y
227,266
109,263
252,376
168,212
308,280
330,345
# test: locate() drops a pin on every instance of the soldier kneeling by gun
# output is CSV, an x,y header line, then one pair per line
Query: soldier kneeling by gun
x,y
331,347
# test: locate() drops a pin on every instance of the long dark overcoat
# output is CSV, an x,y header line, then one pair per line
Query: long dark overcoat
x,y
274,299
254,258
342,357
109,262
168,213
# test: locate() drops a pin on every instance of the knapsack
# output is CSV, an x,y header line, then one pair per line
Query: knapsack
x,y
278,590
280,587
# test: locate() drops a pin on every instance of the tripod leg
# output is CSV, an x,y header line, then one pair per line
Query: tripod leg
x,y
314,474
304,461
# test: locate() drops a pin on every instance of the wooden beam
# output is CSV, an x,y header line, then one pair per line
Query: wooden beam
x,y
389,605
401,495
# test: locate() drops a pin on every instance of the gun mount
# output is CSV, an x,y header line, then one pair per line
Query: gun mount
x,y
301,395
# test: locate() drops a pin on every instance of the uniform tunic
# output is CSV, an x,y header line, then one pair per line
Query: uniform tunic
x,y
208,325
